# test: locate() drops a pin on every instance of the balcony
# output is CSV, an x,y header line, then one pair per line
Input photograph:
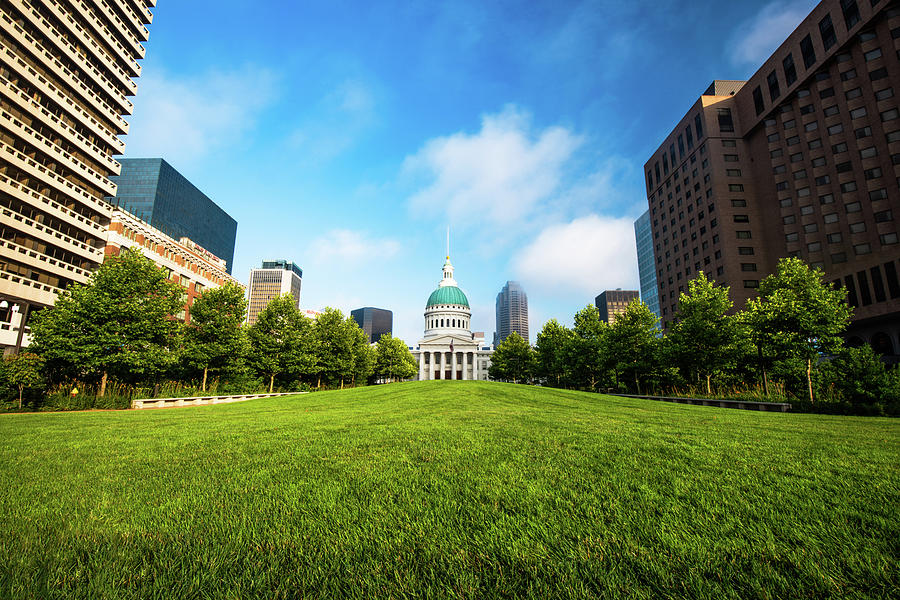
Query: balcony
x,y
41,202
48,235
40,261
129,32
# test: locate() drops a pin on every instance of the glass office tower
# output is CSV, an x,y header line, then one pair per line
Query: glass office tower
x,y
643,235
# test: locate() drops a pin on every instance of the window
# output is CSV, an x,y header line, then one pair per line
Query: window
x,y
808,109
839,257
786,202
858,112
884,94
873,54
854,93
872,173
893,136
733,172
726,124
830,218
793,140
851,13
883,216
738,203
758,101
797,157
745,250
806,210
698,125
748,266
862,248
823,75
816,143
890,115
774,137
844,167
878,74
690,140
819,161
878,194
826,93
741,219
814,246
800,174
826,199
888,238
863,132
831,111
839,148
853,207
848,75
790,71
802,93
751,283
743,235
834,238
806,49
850,186
810,228
776,153
868,152
867,36
792,237
790,124
781,186
835,129
731,158
826,30
789,219
680,146
772,81
735,187
823,180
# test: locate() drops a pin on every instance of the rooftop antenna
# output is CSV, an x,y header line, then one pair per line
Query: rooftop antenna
x,y
448,241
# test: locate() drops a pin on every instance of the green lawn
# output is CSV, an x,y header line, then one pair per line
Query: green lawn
x,y
448,489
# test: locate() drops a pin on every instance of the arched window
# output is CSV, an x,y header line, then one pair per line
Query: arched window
x,y
442,322
454,323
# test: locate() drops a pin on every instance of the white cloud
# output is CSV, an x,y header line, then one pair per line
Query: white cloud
x,y
587,255
500,174
183,119
347,248
755,40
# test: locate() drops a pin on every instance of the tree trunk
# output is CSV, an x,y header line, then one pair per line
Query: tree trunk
x,y
103,384
319,382
765,382
271,382
342,383
21,387
708,386
809,379
205,370
637,384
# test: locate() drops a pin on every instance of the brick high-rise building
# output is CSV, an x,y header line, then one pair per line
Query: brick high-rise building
x,y
801,160
66,71
511,312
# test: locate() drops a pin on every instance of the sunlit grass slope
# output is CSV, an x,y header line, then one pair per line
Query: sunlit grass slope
x,y
448,489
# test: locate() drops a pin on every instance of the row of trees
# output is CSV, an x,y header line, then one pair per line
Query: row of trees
x,y
788,337
119,326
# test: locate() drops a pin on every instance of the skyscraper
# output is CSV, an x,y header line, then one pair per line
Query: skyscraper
x,y
153,191
66,72
800,160
376,322
643,236
512,312
273,278
613,303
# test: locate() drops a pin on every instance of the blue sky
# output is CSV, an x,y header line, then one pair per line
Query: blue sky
x,y
347,136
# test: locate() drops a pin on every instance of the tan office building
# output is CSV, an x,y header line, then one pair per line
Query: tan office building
x,y
273,278
801,160
66,71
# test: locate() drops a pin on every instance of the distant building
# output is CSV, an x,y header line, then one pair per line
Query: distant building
x,y
153,191
511,312
376,322
273,278
187,263
643,235
612,303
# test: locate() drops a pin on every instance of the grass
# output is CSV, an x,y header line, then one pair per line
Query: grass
x,y
448,490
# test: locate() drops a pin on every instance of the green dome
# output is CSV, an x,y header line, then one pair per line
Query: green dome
x,y
447,295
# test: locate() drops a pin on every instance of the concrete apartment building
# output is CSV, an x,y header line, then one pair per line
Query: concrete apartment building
x,y
801,160
66,71
376,322
511,311
613,303
187,263
273,278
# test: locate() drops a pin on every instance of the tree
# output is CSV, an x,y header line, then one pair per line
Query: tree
x,y
797,314
703,338
585,353
24,371
512,359
119,324
363,352
336,358
213,338
552,353
393,360
632,342
281,341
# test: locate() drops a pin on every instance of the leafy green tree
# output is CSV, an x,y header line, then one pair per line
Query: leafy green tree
x,y
860,378
393,360
213,339
632,343
24,370
363,352
336,359
119,324
552,353
281,341
704,338
797,314
512,360
586,355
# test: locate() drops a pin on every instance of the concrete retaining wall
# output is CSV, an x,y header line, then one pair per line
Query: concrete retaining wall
x,y
198,401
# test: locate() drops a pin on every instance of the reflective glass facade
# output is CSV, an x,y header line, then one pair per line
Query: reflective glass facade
x,y
153,191
643,235
376,322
